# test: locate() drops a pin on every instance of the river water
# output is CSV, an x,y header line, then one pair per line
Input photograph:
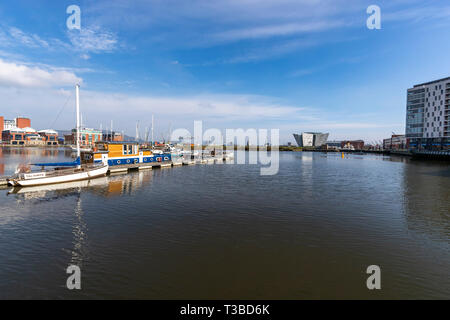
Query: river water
x,y
226,232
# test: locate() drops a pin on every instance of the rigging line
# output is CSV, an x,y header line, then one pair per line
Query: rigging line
x,y
60,111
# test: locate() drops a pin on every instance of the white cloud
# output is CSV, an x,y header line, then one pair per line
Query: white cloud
x,y
221,111
21,75
227,107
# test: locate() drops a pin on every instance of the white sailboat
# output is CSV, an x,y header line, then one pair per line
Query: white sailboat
x,y
63,172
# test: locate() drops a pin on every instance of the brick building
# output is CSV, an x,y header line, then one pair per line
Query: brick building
x,y
355,144
22,136
49,136
395,142
19,122
23,122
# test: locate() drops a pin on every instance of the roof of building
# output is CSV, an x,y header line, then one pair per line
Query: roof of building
x,y
48,131
28,129
431,82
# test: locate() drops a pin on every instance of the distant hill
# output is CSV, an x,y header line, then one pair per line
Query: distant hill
x,y
62,133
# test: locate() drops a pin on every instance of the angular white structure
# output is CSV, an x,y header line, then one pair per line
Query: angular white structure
x,y
311,139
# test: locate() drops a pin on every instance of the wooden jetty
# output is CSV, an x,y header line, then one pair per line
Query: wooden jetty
x,y
125,168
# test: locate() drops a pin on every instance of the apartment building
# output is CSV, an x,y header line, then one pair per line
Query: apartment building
x,y
427,115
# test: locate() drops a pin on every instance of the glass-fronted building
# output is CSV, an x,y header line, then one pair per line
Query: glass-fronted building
x,y
427,115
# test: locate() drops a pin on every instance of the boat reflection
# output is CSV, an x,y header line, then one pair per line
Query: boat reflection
x,y
79,252
114,185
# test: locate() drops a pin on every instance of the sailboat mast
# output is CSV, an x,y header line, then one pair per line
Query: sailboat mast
x,y
137,131
152,130
77,95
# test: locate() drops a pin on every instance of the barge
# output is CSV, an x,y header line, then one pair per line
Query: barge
x,y
123,155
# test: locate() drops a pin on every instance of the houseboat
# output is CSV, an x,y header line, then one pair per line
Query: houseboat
x,y
115,153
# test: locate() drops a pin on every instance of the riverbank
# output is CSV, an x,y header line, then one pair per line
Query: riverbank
x,y
33,146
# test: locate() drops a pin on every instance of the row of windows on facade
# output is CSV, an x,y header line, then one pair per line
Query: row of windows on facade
x,y
432,125
435,99
432,114
437,87
435,134
434,94
31,136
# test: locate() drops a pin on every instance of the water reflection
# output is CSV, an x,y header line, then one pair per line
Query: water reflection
x,y
427,199
11,157
80,238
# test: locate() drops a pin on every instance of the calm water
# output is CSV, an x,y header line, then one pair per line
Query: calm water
x,y
224,231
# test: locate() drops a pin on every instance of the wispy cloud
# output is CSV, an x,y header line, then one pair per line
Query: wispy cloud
x,y
422,12
30,40
284,29
87,40
93,39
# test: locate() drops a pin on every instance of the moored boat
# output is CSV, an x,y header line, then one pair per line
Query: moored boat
x,y
62,172
58,175
113,153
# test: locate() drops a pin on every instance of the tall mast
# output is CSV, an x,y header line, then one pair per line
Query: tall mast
x,y
137,131
153,118
77,95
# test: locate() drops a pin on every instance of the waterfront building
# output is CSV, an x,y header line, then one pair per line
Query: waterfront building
x,y
395,142
352,144
427,115
22,122
88,137
49,136
22,137
311,139
114,136
334,144
9,124
19,122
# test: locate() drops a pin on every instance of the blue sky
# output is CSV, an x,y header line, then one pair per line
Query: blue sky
x,y
296,65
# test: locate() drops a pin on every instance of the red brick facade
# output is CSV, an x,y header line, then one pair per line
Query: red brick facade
x,y
23,122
